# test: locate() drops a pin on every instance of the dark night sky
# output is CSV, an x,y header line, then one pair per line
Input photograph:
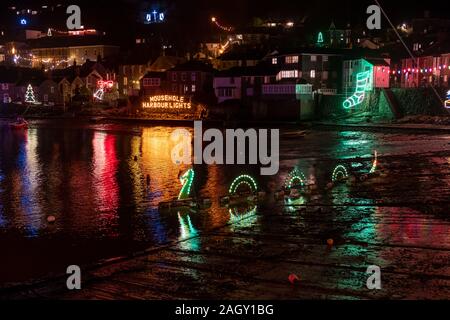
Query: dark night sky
x,y
240,11
192,17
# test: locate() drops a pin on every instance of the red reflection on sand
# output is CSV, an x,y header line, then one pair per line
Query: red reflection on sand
x,y
105,168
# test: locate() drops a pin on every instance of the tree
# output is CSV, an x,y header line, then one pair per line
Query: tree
x,y
29,95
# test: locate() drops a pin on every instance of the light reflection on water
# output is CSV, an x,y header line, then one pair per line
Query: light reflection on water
x,y
93,180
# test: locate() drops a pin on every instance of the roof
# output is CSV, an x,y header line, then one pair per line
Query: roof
x,y
350,53
259,70
82,71
21,75
137,56
155,74
239,53
194,65
377,62
164,63
70,41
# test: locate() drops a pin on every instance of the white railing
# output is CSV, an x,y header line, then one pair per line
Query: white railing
x,y
303,89
327,92
269,89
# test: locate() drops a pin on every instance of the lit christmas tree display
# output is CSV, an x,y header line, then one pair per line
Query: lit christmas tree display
x,y
29,95
320,38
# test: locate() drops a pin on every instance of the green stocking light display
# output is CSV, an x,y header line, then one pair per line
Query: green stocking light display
x,y
362,81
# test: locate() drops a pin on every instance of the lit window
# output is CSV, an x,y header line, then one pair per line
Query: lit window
x,y
125,81
325,75
274,61
325,58
151,82
291,59
225,92
286,74
193,89
313,74
313,58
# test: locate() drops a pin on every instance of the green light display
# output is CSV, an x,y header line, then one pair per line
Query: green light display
x,y
295,178
362,85
243,180
320,38
186,180
375,163
340,173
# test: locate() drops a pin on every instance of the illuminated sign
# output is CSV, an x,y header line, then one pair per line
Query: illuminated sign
x,y
105,84
23,22
166,102
101,87
447,102
155,17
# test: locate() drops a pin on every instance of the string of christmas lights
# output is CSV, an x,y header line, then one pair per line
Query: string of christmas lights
x,y
217,23
421,70
53,62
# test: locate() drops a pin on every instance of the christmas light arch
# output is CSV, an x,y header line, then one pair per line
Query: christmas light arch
x,y
295,176
243,180
186,180
340,173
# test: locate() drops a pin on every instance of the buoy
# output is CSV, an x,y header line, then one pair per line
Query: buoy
x,y
293,278
330,242
51,219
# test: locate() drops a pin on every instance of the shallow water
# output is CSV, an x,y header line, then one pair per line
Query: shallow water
x,y
87,177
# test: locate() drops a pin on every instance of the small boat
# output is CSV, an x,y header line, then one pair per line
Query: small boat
x,y
190,203
241,199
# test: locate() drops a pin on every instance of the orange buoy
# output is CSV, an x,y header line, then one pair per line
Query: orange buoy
x,y
51,219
